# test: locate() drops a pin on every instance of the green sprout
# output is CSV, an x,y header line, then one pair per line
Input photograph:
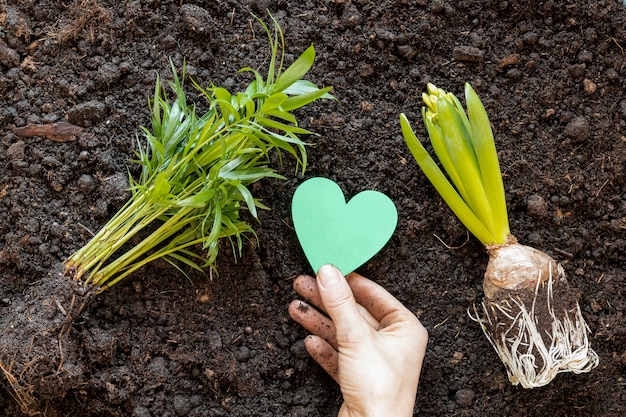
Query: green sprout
x,y
196,171
466,149
536,333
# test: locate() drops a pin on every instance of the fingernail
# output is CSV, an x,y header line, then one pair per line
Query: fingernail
x,y
328,276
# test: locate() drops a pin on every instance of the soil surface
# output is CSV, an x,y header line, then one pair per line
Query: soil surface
x,y
552,75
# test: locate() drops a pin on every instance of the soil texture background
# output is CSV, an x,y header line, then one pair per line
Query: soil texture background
x,y
552,75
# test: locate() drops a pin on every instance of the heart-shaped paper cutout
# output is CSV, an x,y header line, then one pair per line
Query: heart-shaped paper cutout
x,y
333,232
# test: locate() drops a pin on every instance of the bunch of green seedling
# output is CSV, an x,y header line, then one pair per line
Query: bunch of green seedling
x,y
196,171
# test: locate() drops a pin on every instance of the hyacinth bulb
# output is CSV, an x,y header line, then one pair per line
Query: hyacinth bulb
x,y
531,316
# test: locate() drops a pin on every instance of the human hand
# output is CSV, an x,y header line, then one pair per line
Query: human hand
x,y
371,345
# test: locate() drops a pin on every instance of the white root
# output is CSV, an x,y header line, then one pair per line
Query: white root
x,y
533,359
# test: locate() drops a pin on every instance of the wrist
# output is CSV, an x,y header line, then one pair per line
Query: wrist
x,y
374,411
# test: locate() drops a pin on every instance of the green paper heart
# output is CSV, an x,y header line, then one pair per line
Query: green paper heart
x,y
333,232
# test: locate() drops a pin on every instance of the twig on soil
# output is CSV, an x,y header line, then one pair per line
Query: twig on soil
x,y
618,44
442,323
452,247
60,307
61,357
85,228
58,132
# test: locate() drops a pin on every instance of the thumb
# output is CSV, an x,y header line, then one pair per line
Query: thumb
x,y
338,300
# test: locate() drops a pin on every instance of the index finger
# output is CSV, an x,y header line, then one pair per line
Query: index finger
x,y
306,287
375,298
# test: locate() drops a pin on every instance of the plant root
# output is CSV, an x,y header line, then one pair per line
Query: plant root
x,y
20,393
538,333
40,356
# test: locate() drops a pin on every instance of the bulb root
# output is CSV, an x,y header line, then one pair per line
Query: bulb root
x,y
532,318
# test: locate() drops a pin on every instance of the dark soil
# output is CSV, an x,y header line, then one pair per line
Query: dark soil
x,y
41,353
552,75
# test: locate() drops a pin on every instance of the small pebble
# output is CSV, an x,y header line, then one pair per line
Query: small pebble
x,y
585,56
107,75
536,206
157,369
90,111
530,38
577,70
407,51
464,397
83,156
589,86
19,164
16,151
115,188
51,161
243,354
8,56
101,209
514,74
182,405
215,340
578,129
141,411
468,54
534,239
351,16
197,19
438,6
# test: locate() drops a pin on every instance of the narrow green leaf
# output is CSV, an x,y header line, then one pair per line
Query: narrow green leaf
x,y
247,196
251,174
300,100
156,147
443,186
301,87
439,146
229,113
485,147
461,113
273,102
161,186
198,200
462,154
300,66
273,124
286,116
156,106
186,261
271,136
222,94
